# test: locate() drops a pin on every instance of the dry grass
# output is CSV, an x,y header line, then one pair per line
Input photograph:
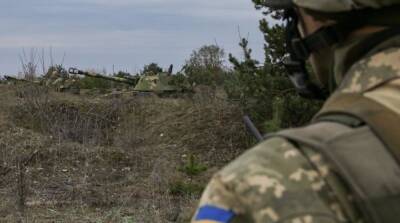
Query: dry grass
x,y
86,159
84,122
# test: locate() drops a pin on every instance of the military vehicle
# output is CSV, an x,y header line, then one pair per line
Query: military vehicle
x,y
58,79
67,84
164,83
15,80
161,84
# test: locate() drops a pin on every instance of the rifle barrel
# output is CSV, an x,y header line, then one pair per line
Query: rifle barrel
x,y
252,128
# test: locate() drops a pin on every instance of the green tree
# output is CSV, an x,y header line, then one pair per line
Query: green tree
x,y
152,68
264,90
206,66
122,74
257,87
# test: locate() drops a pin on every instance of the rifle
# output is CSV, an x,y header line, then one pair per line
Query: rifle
x,y
252,128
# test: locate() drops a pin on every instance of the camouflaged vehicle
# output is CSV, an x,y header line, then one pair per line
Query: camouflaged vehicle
x,y
58,79
157,83
131,81
68,84
164,83
161,83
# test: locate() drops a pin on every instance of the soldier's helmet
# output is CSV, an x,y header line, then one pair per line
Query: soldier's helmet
x,y
349,15
331,6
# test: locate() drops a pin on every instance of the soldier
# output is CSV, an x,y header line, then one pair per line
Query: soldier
x,y
344,166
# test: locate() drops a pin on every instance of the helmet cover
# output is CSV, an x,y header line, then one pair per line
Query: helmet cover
x,y
330,5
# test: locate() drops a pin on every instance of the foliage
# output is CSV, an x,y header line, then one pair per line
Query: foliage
x,y
29,64
122,74
257,87
205,66
264,91
66,121
179,80
87,82
152,68
94,83
192,167
116,215
182,188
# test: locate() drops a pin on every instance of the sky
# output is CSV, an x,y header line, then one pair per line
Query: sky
x,y
123,34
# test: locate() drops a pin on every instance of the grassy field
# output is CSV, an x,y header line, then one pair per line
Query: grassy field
x,y
115,158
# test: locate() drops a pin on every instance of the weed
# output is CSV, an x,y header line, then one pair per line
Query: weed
x,y
181,188
115,215
192,167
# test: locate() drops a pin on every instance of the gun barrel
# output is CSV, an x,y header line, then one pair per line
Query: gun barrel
x,y
9,78
130,81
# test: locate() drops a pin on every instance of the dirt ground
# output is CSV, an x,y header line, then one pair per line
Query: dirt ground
x,y
115,158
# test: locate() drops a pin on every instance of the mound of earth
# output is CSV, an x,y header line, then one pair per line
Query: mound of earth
x,y
71,158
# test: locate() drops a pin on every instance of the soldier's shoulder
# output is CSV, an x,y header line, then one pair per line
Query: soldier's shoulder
x,y
271,147
372,71
275,155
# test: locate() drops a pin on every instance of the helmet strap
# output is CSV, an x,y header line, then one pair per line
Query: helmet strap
x,y
296,63
301,48
324,37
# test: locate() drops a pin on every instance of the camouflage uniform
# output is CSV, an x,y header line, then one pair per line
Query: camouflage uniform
x,y
279,181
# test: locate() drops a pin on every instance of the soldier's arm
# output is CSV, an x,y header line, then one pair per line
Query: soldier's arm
x,y
273,182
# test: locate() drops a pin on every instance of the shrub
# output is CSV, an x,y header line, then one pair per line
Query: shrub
x,y
205,66
265,93
94,83
181,188
192,167
152,68
81,122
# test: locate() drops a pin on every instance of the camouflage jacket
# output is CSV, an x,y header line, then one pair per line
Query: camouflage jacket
x,y
277,181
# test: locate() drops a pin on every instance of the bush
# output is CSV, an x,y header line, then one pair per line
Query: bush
x,y
266,94
192,167
84,122
152,68
181,188
205,66
94,83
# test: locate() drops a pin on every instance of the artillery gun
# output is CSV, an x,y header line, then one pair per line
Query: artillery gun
x,y
126,80
161,84
14,79
59,84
